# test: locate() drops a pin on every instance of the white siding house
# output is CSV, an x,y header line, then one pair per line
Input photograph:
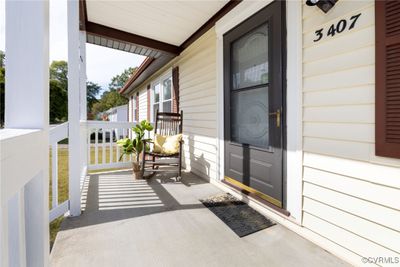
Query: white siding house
x,y
291,106
342,195
348,191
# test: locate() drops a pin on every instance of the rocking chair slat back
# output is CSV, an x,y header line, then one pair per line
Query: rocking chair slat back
x,y
168,123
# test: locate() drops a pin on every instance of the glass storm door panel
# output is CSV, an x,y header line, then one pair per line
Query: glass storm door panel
x,y
249,90
253,103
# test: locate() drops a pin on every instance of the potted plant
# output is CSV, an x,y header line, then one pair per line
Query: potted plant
x,y
135,146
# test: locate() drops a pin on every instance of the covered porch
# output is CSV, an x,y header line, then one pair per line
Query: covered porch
x,y
112,220
160,222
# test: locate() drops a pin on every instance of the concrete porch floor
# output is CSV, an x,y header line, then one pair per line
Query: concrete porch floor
x,y
161,222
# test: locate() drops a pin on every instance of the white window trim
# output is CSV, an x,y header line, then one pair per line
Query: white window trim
x,y
164,76
294,158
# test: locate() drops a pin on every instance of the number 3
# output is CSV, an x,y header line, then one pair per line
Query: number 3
x,y
319,34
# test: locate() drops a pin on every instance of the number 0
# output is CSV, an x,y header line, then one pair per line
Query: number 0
x,y
341,26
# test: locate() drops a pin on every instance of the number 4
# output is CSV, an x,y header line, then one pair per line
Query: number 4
x,y
354,20
331,31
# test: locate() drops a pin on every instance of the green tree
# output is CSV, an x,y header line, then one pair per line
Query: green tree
x,y
112,98
58,102
109,99
118,81
2,57
58,91
59,72
97,108
93,89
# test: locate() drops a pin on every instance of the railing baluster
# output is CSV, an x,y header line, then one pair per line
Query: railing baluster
x,y
103,145
89,158
124,134
111,145
118,152
96,146
54,174
16,224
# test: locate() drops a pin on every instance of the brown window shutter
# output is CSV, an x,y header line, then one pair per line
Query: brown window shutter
x,y
148,102
131,110
137,107
175,84
387,91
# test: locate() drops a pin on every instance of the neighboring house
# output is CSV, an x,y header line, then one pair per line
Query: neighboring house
x,y
301,107
117,114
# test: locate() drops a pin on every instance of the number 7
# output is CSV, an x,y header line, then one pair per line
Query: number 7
x,y
354,20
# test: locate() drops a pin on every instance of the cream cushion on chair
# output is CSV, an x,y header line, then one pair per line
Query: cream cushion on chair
x,y
167,144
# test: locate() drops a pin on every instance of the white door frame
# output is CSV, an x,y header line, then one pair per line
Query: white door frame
x,y
294,153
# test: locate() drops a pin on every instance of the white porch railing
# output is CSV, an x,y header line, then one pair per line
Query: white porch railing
x,y
57,134
22,196
22,178
103,152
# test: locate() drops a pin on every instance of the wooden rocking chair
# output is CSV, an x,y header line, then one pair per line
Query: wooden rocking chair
x,y
167,124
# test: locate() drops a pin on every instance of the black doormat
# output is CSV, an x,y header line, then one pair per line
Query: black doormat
x,y
241,218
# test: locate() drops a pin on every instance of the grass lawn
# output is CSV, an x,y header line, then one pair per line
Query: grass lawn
x,y
63,181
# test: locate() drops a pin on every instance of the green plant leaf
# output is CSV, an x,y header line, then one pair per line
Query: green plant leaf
x,y
123,142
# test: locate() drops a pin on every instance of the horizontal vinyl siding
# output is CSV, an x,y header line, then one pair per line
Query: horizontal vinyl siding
x,y
351,197
143,103
197,78
197,99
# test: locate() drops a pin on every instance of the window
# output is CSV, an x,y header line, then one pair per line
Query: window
x,y
136,113
133,108
161,96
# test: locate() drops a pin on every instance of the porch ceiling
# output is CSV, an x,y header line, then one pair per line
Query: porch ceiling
x,y
171,22
157,29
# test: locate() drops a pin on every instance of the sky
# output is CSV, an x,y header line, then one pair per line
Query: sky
x,y
101,63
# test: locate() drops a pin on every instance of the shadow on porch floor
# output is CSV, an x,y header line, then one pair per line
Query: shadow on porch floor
x,y
161,222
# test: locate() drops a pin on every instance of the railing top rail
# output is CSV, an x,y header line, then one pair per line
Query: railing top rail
x,y
19,148
110,124
8,133
59,132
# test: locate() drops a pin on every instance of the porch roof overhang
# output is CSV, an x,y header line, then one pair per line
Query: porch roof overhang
x,y
159,30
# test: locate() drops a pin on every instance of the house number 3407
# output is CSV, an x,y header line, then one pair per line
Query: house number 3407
x,y
337,28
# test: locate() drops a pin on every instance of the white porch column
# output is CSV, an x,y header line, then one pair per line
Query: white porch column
x,y
73,107
27,107
83,101
82,75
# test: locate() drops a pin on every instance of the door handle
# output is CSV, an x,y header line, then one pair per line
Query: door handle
x,y
278,117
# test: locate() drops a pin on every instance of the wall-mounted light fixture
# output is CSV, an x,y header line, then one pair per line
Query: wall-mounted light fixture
x,y
324,5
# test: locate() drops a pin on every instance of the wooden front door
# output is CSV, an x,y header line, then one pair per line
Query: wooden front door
x,y
253,90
